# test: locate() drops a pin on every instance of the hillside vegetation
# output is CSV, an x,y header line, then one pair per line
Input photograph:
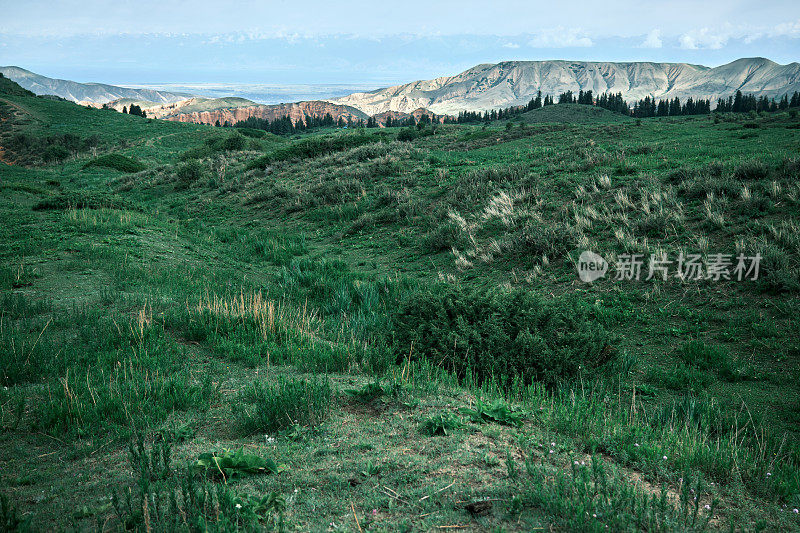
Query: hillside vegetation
x,y
384,330
572,114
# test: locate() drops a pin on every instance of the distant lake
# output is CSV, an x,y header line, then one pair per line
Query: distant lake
x,y
262,93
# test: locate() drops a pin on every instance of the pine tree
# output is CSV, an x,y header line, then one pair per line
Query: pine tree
x,y
738,103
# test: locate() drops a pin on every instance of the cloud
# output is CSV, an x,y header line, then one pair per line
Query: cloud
x,y
653,39
787,29
560,37
704,38
510,45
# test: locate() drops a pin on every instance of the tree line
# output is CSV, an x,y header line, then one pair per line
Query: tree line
x,y
134,110
645,107
286,126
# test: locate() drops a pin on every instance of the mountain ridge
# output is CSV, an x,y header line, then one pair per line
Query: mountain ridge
x,y
234,109
85,93
482,87
509,83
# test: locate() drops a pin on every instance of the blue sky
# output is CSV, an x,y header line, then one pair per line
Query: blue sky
x,y
376,43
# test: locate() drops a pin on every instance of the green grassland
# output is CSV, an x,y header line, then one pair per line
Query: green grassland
x,y
384,330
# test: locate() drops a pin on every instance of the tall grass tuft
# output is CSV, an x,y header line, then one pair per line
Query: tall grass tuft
x,y
261,407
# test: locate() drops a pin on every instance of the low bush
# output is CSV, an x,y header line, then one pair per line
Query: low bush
x,y
252,133
188,173
116,162
407,135
74,200
697,354
444,237
30,149
229,143
311,147
499,334
779,272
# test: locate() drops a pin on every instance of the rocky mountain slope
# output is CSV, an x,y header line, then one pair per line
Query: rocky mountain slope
x,y
232,110
492,86
296,111
85,93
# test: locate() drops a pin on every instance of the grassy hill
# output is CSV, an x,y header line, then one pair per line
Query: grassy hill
x,y
343,331
211,104
573,114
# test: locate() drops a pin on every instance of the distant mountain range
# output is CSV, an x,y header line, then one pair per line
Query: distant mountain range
x,y
483,87
514,83
85,93
232,110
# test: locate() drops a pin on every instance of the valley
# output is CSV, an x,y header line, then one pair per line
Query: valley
x,y
383,329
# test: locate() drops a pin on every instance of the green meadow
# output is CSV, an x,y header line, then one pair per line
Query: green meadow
x,y
218,329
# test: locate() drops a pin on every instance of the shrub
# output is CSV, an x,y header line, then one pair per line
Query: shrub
x,y
94,200
27,149
116,162
778,270
264,407
539,239
252,133
407,135
189,173
311,147
55,153
500,334
234,143
443,237
337,191
10,519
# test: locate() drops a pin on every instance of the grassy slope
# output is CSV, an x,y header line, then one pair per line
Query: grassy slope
x,y
380,212
572,114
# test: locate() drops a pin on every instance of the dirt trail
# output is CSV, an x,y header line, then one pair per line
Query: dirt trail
x,y
19,110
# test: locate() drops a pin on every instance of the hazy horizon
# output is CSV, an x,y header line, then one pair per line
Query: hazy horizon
x,y
280,43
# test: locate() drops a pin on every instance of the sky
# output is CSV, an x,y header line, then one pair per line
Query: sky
x,y
374,43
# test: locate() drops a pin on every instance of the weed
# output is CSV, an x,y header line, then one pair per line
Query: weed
x,y
371,469
227,464
441,424
367,394
261,407
371,392
184,504
595,497
153,465
497,411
